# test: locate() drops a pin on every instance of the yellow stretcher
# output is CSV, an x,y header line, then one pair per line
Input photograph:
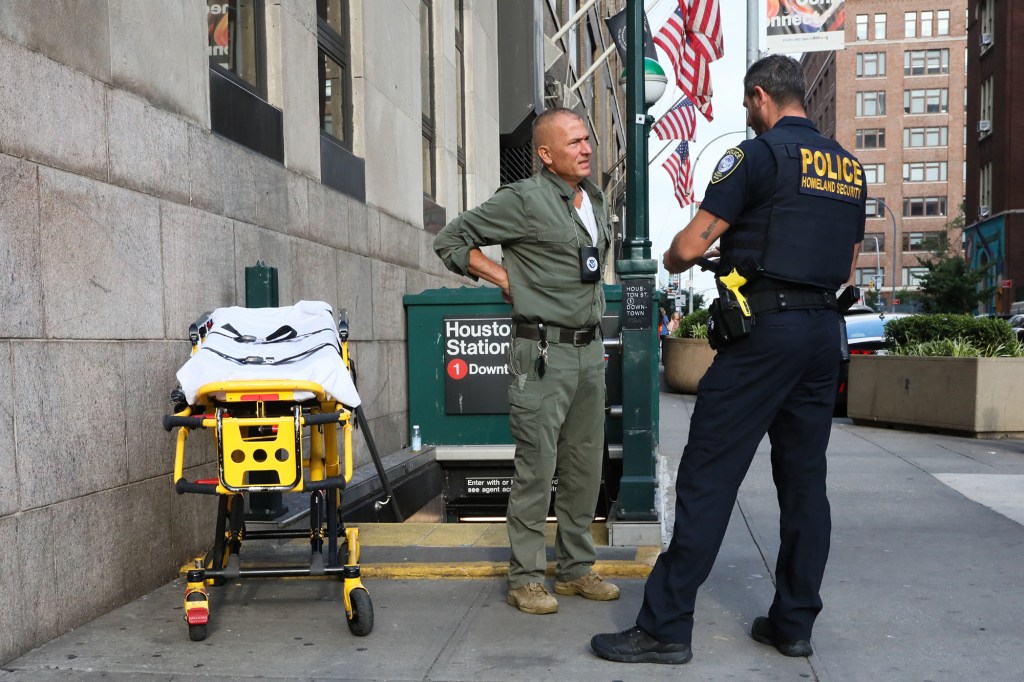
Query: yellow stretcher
x,y
259,427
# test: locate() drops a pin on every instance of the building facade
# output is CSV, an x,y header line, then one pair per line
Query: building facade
x,y
149,153
896,97
994,236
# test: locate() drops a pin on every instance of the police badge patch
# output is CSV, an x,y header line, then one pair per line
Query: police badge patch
x,y
732,159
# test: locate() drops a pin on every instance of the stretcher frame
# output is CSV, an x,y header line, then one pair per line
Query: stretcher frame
x,y
258,428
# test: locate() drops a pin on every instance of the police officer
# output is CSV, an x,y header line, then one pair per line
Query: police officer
x,y
554,233
789,209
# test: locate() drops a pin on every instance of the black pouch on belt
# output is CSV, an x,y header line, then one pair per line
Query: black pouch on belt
x,y
726,321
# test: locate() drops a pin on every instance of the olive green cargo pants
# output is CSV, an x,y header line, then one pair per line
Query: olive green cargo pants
x,y
558,425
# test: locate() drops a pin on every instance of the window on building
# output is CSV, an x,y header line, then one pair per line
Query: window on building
x,y
912,276
926,24
340,168
427,99
874,173
874,242
937,136
873,209
924,171
913,241
238,77
910,24
942,25
460,101
985,190
870,64
925,62
879,27
986,10
985,106
870,138
335,70
924,207
871,103
930,101
864,277
237,45
862,27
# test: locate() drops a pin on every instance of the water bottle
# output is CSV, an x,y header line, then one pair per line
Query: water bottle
x,y
417,442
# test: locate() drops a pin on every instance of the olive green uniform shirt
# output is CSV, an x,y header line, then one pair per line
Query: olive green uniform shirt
x,y
540,233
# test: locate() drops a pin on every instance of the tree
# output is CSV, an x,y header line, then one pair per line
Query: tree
x,y
951,285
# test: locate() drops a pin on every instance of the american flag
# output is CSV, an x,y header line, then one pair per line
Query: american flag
x,y
704,26
691,45
678,167
678,123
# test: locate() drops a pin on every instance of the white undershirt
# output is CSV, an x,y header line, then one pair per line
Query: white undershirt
x,y
586,214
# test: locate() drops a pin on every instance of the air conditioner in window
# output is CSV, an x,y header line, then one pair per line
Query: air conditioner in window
x,y
986,40
985,126
984,211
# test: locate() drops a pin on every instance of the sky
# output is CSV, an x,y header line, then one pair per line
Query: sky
x,y
729,126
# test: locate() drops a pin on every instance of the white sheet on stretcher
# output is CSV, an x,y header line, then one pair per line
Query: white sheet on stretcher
x,y
314,354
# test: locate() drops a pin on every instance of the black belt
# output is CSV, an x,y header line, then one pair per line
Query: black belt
x,y
778,300
577,337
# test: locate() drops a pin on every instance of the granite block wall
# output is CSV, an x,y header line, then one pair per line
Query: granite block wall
x,y
123,218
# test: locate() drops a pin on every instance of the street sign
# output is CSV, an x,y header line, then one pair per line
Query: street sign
x,y
1006,284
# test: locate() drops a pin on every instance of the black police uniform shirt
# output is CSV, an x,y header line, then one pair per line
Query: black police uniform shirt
x,y
743,186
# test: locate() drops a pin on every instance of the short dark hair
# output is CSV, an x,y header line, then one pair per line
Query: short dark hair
x,y
780,76
546,116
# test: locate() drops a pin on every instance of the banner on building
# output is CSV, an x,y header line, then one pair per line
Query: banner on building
x,y
806,25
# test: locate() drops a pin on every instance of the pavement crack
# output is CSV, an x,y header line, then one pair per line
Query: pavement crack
x,y
458,631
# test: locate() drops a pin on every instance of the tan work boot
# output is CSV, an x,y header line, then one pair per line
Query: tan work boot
x,y
533,598
589,586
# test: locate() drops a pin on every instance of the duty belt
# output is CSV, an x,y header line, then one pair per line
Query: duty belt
x,y
577,337
778,300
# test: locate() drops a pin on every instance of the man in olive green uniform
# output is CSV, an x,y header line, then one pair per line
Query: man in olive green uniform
x,y
553,230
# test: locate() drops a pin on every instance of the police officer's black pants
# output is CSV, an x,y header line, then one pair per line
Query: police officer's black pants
x,y
779,380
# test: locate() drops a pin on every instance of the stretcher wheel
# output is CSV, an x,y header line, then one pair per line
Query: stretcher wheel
x,y
361,621
197,633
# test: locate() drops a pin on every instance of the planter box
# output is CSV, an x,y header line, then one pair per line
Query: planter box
x,y
686,361
979,396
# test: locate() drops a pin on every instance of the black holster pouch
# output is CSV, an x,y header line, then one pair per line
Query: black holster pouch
x,y
726,321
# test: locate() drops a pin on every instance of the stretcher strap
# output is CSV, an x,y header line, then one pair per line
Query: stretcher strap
x,y
284,333
260,360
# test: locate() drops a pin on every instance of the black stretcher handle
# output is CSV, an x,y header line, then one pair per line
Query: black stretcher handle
x,y
182,486
170,421
317,419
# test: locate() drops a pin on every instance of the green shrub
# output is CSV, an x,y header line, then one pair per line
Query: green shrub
x,y
690,326
951,335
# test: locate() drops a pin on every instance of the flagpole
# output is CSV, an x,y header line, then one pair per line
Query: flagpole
x,y
753,39
572,22
593,67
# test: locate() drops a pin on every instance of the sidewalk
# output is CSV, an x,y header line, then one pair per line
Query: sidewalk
x,y
925,582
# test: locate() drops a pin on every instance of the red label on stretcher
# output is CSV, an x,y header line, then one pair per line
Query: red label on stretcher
x,y
261,396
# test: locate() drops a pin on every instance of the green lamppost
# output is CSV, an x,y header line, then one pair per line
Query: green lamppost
x,y
645,83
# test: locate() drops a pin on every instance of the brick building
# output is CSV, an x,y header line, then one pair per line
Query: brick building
x,y
994,235
896,97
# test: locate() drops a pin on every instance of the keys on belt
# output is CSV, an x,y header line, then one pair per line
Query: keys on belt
x,y
576,337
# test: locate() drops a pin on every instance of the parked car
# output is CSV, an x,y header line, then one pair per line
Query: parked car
x,y
1017,322
865,335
